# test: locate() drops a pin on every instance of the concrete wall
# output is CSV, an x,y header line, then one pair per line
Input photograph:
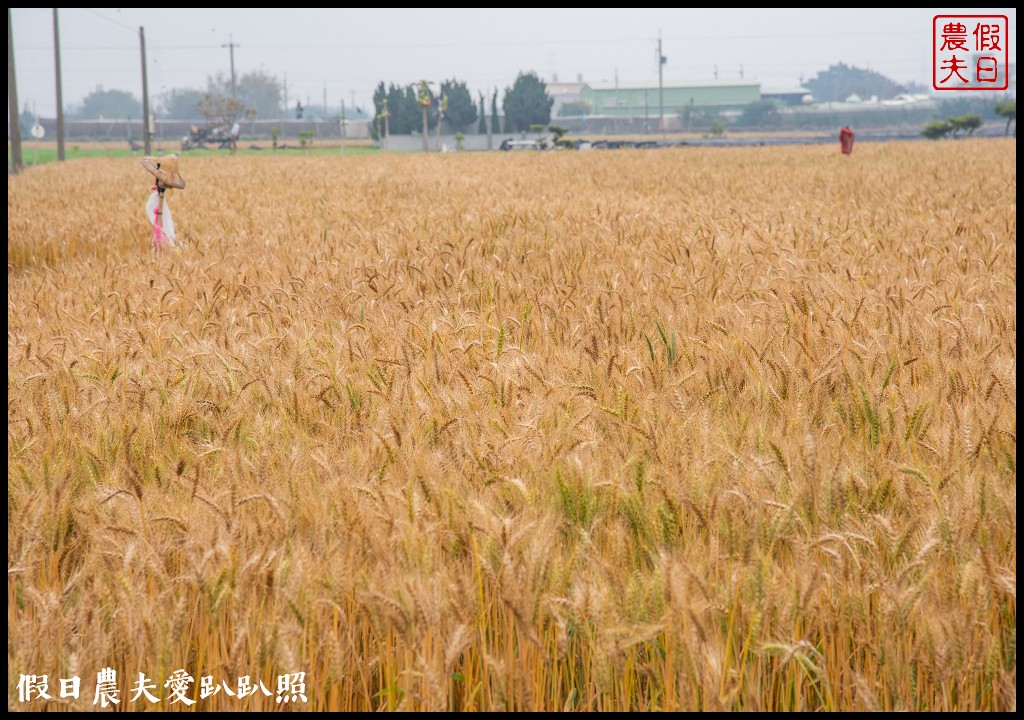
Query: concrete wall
x,y
414,143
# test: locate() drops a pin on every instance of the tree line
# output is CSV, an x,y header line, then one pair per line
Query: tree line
x,y
418,108
400,109
969,122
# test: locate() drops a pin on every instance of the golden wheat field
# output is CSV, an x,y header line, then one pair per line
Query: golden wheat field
x,y
677,429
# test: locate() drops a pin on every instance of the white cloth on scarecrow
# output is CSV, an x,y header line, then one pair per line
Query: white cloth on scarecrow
x,y
163,233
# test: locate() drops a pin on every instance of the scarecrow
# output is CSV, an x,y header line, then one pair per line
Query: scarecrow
x,y
158,212
846,140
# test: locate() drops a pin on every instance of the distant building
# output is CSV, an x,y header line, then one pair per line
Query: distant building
x,y
788,95
643,100
564,93
855,103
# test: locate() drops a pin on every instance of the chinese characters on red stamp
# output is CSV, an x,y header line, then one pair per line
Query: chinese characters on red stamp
x,y
970,52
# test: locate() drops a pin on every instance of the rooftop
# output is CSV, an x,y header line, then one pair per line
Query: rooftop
x,y
785,91
674,84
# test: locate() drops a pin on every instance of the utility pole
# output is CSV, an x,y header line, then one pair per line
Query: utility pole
x,y
146,139
60,100
442,108
661,88
286,96
231,45
343,123
614,124
489,126
13,118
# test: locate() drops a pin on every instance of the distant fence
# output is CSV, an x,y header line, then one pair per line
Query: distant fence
x,y
168,131
171,131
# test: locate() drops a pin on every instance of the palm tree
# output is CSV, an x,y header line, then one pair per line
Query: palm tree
x,y
442,110
425,100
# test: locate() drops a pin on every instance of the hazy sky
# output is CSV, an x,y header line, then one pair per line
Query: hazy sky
x,y
347,52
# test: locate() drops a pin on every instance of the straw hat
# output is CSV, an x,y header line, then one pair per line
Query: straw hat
x,y
165,168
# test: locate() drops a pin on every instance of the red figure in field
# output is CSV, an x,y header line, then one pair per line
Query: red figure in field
x,y
846,140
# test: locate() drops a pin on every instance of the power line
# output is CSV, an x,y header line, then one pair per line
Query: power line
x,y
590,41
110,20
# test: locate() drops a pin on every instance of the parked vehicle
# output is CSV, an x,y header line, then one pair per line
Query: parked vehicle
x,y
511,144
222,135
